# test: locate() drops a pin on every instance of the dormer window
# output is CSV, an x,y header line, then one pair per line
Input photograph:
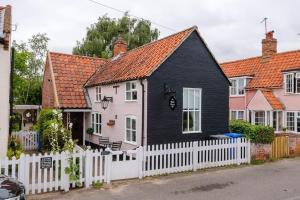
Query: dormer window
x,y
238,86
98,94
292,83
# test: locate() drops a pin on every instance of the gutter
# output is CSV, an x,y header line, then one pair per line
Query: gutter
x,y
143,111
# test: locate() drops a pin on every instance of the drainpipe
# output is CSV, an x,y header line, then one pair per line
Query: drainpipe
x,y
143,111
11,98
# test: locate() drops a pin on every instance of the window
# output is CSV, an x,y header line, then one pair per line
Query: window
x,y
293,121
292,82
131,91
259,117
98,94
237,115
96,123
191,122
130,129
237,86
277,120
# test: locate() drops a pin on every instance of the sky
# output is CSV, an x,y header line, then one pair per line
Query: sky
x,y
231,28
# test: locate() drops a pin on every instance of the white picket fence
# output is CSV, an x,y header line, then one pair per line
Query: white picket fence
x,y
105,166
29,139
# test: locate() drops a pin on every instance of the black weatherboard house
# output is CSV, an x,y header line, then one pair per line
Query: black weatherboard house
x,y
170,90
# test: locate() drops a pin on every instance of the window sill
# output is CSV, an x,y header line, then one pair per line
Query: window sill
x,y
189,132
130,101
237,96
97,101
291,94
97,134
131,143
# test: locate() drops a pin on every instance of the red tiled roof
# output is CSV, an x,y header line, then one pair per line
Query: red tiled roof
x,y
273,101
71,72
266,74
139,62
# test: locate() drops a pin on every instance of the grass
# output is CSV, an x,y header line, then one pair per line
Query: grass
x,y
257,162
97,185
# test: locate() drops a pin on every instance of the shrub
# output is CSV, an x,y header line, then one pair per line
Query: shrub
x,y
15,148
256,133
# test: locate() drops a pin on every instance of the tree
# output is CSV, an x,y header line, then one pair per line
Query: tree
x,y
28,69
101,35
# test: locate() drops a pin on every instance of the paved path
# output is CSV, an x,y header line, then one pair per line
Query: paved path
x,y
272,181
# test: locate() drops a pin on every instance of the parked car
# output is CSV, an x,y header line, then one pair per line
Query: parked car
x,y
11,189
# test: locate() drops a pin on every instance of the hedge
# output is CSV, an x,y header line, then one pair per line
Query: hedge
x,y
256,133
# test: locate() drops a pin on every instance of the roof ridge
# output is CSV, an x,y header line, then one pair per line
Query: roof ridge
x,y
86,57
177,33
255,57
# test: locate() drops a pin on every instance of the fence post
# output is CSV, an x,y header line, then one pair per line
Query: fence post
x,y
108,165
140,159
195,155
64,177
248,151
22,168
238,150
87,168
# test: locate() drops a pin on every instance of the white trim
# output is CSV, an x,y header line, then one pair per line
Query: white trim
x,y
96,124
98,94
193,110
125,130
237,86
244,115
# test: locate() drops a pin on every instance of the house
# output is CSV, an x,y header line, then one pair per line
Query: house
x,y
5,70
170,90
266,89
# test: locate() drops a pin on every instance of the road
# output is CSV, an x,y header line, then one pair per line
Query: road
x,y
271,181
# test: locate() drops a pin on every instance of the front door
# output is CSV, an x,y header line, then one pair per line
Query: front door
x,y
76,118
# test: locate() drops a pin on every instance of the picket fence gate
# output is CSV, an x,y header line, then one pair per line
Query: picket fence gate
x,y
46,173
29,139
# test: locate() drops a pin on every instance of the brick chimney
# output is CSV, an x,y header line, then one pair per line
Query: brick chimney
x,y
120,45
269,45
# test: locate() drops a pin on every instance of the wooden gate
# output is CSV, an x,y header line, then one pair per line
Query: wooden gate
x,y
280,147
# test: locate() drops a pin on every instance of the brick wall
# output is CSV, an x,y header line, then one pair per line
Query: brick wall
x,y
47,88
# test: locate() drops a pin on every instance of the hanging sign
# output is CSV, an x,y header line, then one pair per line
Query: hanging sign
x,y
46,162
172,103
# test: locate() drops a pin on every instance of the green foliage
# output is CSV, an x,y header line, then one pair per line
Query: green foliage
x,y
90,131
73,170
101,35
14,148
54,136
97,185
257,133
28,69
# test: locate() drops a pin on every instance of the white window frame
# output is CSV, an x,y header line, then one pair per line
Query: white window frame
x,y
237,87
131,91
2,22
131,117
295,118
291,81
98,91
95,123
193,110
264,117
236,113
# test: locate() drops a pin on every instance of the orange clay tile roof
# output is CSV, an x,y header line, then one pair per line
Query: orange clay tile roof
x,y
71,72
273,101
139,62
265,74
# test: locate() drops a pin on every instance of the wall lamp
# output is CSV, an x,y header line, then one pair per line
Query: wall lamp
x,y
105,101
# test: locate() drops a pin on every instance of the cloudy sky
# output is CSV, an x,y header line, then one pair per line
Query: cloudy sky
x,y
231,28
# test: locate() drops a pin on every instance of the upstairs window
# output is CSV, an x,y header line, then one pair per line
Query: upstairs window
x,y
131,91
98,94
292,83
237,86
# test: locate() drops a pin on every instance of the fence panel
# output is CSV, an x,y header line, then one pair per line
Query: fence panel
x,y
280,147
29,139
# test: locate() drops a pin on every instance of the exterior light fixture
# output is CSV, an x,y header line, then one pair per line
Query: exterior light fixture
x,y
105,101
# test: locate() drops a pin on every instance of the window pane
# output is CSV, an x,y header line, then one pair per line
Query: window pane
x,y
241,115
191,99
233,87
185,99
128,95
197,122
260,118
197,99
185,121
133,85
290,121
233,115
298,124
133,136
128,125
241,86
128,135
298,85
134,95
275,120
191,121
133,124
127,86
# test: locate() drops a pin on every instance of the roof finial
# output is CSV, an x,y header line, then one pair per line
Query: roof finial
x,y
265,21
